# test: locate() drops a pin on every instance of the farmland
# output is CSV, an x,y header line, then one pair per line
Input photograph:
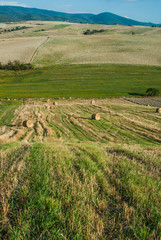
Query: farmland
x,y
67,44
85,81
65,175
21,49
71,177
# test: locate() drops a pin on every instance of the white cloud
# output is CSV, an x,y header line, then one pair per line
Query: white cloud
x,y
4,3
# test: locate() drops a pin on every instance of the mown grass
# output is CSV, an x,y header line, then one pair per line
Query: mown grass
x,y
88,179
71,191
80,81
7,112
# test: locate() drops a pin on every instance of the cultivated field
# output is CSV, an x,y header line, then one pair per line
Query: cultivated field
x,y
153,102
67,44
21,49
70,177
64,175
85,81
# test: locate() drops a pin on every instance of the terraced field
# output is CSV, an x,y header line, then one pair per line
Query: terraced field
x,y
71,177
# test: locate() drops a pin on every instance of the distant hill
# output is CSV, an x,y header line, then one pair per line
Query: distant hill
x,y
14,14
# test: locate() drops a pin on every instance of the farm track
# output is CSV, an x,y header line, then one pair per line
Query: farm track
x,y
36,50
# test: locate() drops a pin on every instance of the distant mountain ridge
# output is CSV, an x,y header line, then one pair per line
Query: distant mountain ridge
x,y
15,14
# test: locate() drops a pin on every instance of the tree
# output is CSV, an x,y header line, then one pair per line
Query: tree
x,y
152,92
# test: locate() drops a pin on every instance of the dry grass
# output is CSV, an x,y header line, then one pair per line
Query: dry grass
x,y
115,47
69,45
74,178
20,49
121,122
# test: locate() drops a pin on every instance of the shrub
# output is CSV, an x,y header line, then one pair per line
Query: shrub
x,y
94,31
152,92
15,65
14,29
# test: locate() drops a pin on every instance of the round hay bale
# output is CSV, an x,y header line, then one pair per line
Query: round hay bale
x,y
28,123
55,103
96,116
93,102
158,110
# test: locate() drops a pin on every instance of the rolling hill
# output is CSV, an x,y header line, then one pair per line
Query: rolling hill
x,y
14,14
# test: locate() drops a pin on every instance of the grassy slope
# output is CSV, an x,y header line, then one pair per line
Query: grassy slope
x,y
111,47
67,44
97,180
80,81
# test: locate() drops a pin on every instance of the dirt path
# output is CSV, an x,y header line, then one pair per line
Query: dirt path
x,y
32,58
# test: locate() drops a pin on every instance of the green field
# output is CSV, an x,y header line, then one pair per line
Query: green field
x,y
87,81
70,177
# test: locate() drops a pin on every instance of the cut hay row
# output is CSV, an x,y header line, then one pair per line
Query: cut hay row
x,y
87,185
118,121
12,169
87,179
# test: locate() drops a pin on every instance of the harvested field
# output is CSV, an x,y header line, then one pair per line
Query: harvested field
x,y
21,49
109,48
153,102
70,177
67,44
71,120
64,175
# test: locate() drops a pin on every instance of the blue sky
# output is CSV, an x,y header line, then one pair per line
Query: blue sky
x,y
141,10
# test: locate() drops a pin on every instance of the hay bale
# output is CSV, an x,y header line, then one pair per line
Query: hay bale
x,y
93,102
96,116
158,110
55,103
28,123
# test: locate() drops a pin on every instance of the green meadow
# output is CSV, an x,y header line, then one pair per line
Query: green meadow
x,y
83,81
